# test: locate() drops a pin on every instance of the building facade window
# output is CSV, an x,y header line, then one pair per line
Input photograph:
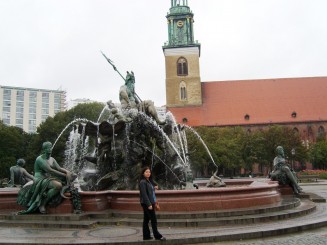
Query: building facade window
x,y
183,91
310,134
45,106
44,117
19,115
32,109
6,103
19,110
6,117
6,106
20,105
57,103
19,95
182,67
32,96
7,94
32,126
45,111
6,109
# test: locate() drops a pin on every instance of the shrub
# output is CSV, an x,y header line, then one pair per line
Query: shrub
x,y
321,173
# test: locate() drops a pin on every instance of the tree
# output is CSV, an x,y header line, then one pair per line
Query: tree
x,y
318,154
233,148
284,136
12,147
56,129
224,145
253,149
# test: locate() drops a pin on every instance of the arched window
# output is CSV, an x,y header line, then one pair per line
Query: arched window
x,y
321,132
182,89
296,130
182,67
310,134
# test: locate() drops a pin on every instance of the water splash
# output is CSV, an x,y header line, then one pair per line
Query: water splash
x,y
154,123
103,110
76,148
157,158
176,129
201,140
68,125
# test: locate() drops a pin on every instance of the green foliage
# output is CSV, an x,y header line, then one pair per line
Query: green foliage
x,y
323,176
5,164
286,137
321,173
224,144
57,126
318,154
15,143
253,149
233,148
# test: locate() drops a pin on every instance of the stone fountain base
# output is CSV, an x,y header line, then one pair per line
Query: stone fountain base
x,y
238,194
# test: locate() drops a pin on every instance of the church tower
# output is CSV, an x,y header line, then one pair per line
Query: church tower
x,y
182,53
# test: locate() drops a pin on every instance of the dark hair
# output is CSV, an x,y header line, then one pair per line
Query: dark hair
x,y
142,172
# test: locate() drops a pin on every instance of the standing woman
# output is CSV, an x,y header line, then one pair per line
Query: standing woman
x,y
148,200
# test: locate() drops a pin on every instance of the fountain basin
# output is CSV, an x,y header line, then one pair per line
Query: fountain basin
x,y
240,196
237,194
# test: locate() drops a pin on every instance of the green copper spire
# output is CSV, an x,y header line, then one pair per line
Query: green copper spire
x,y
180,25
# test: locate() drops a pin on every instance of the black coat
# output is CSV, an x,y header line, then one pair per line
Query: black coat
x,y
146,192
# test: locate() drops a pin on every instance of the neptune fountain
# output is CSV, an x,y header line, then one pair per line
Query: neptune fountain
x,y
106,157
126,138
132,136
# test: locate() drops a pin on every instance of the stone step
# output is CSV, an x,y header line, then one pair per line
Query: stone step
x,y
286,203
37,216
85,224
289,209
312,196
305,208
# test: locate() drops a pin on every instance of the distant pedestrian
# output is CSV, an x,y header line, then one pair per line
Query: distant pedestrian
x,y
148,200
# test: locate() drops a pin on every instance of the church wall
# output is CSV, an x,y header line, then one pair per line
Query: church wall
x,y
307,135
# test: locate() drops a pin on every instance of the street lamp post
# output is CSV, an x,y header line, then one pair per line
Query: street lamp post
x,y
293,155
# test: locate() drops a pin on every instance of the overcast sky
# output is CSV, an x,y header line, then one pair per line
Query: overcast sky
x,y
55,44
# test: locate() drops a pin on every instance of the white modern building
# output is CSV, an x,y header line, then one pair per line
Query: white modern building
x,y
28,107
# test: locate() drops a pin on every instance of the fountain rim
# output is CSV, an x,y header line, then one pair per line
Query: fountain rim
x,y
264,186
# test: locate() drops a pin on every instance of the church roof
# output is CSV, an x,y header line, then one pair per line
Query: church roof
x,y
264,101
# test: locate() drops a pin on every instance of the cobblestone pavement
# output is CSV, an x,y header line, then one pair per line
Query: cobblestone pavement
x,y
311,237
315,237
127,235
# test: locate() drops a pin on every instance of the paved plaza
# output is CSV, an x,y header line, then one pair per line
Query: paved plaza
x,y
300,228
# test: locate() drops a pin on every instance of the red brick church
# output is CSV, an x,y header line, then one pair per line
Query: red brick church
x,y
299,103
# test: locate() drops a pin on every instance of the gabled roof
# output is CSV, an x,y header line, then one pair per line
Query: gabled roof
x,y
265,101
